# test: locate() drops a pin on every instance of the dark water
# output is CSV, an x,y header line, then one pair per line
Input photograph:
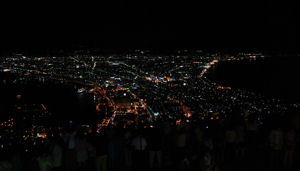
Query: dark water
x,y
272,77
61,100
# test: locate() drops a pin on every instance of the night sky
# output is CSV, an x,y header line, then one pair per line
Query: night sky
x,y
247,24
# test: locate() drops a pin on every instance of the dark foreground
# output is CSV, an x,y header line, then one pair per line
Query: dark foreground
x,y
221,146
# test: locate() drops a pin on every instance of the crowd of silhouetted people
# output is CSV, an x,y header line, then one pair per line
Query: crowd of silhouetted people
x,y
219,145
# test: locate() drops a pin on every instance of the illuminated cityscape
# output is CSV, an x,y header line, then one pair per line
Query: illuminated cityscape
x,y
134,91
150,86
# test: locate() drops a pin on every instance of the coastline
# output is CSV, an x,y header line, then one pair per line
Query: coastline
x,y
273,78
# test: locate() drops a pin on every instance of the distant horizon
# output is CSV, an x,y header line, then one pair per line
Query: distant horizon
x,y
153,50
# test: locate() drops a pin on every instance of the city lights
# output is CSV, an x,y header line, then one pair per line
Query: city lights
x,y
136,91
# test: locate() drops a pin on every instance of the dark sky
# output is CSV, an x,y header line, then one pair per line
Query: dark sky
x,y
229,24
